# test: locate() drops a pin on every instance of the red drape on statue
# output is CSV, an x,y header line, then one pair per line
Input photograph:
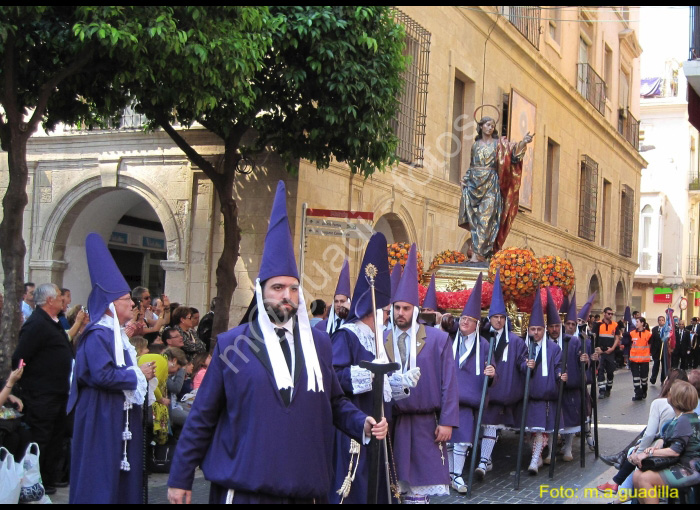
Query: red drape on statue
x,y
509,177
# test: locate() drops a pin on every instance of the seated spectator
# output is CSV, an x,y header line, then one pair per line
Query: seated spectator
x,y
140,344
157,308
681,438
182,317
206,324
660,413
172,337
13,434
144,315
195,318
200,363
160,406
187,383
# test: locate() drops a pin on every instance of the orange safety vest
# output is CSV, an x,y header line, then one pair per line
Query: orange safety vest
x,y
606,335
640,351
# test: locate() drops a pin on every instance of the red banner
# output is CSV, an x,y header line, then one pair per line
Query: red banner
x,y
330,213
663,298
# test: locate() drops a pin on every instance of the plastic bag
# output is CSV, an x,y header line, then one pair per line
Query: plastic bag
x,y
32,487
10,478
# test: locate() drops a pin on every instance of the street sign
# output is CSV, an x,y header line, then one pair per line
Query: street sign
x,y
333,213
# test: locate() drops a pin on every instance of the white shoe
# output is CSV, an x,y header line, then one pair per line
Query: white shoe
x,y
482,469
534,467
459,485
590,441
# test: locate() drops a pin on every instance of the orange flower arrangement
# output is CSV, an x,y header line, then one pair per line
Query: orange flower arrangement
x,y
398,253
447,257
558,272
520,272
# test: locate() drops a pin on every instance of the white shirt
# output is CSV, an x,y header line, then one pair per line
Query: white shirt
x,y
289,328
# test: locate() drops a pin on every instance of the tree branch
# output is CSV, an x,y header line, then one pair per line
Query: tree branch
x,y
9,99
191,154
48,88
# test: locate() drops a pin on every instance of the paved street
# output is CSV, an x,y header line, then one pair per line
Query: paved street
x,y
620,420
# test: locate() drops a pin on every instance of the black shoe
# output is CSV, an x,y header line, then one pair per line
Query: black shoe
x,y
636,398
49,490
601,395
61,485
613,460
607,393
652,381
644,395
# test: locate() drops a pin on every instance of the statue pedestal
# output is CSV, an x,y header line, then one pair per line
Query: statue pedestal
x,y
456,277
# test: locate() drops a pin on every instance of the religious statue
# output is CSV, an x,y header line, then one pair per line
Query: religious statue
x,y
491,189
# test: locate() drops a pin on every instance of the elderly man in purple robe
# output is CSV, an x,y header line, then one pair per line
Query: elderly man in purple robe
x,y
424,420
545,374
506,392
262,424
107,392
341,303
352,343
584,333
470,351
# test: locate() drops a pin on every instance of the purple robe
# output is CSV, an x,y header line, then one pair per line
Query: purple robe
x,y
571,403
544,391
417,456
97,447
470,386
507,392
246,439
348,351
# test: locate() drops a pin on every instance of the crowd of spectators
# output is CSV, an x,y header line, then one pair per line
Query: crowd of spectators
x,y
34,396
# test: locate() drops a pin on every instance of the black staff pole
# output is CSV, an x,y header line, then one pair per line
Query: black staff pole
x,y
526,395
560,401
594,398
477,432
583,404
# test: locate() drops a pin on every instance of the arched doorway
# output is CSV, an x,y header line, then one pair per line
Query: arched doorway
x,y
133,232
594,286
393,228
620,300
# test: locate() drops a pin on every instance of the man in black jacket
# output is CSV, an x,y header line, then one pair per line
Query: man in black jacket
x,y
47,352
656,344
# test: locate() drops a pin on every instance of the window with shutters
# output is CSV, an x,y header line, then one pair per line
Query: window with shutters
x,y
588,199
626,221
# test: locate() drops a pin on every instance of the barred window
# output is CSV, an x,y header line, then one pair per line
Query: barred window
x,y
409,123
588,199
626,221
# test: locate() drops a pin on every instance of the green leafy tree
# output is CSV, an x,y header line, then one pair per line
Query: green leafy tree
x,y
311,82
50,74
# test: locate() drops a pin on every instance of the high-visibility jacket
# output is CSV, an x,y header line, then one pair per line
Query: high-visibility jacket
x,y
606,334
640,351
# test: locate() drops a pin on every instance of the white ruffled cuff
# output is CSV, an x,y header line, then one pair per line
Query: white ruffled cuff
x,y
361,380
399,391
137,396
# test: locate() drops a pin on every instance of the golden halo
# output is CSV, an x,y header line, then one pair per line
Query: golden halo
x,y
498,113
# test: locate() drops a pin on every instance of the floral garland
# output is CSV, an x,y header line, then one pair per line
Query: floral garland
x,y
558,272
447,257
520,272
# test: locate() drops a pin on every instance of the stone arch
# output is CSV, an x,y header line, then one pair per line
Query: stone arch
x,y
62,219
393,228
620,298
395,216
595,285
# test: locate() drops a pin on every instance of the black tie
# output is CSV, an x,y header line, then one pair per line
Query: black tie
x,y
501,347
282,334
337,325
284,343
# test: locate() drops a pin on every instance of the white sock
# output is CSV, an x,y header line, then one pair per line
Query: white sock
x,y
568,442
460,457
538,444
450,458
488,442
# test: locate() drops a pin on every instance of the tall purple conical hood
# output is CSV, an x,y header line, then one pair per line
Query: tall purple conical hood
x,y
537,317
473,306
407,290
571,312
375,254
498,305
395,278
278,254
586,309
564,308
108,284
552,312
343,287
430,301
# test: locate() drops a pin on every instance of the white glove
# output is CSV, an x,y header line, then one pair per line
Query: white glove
x,y
410,378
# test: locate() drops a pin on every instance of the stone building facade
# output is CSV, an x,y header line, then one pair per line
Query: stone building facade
x,y
556,72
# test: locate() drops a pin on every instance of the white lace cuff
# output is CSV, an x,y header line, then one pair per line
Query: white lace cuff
x,y
361,380
138,395
399,391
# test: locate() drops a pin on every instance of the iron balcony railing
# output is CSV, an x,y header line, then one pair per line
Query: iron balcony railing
x,y
526,19
694,181
130,120
628,127
693,266
591,86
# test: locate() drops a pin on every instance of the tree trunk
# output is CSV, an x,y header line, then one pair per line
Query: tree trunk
x,y
12,247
